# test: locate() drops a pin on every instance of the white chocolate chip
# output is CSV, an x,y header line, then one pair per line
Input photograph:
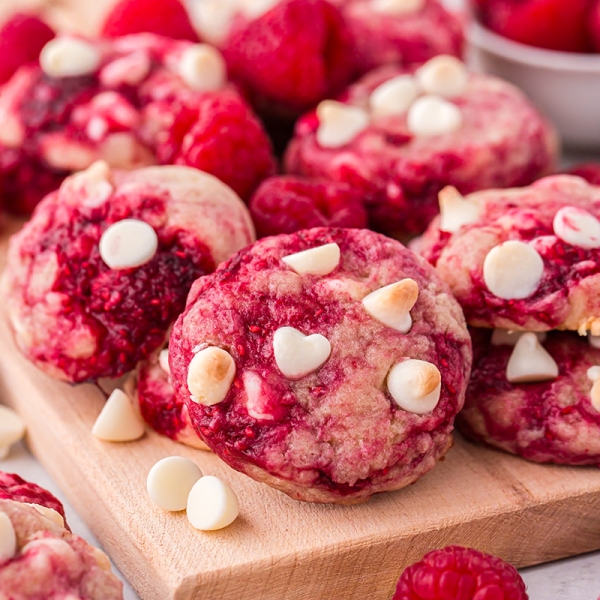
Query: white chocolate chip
x,y
171,480
93,186
8,539
577,227
593,373
210,375
456,210
203,68
212,504
118,420
163,361
505,337
12,429
415,385
316,261
530,361
397,7
394,96
49,513
69,57
12,132
391,304
127,244
432,115
513,270
444,76
339,123
593,340
297,354
212,18
595,395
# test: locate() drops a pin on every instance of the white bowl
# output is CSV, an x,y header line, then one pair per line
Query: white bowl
x,y
565,86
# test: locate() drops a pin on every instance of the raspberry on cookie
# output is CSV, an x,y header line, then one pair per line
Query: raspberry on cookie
x,y
328,363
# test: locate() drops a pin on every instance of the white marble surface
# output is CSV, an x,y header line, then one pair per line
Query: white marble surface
x,y
571,579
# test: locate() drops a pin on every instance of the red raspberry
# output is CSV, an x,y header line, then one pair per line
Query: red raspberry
x,y
163,17
456,573
294,55
552,24
21,41
589,171
287,204
594,25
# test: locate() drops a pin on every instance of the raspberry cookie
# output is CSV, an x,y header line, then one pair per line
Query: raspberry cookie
x,y
537,397
526,259
98,275
39,558
134,101
399,136
329,364
401,31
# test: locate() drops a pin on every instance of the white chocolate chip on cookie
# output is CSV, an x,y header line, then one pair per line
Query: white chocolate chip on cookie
x,y
415,385
163,361
297,354
118,421
530,361
69,57
443,75
339,123
321,260
8,538
456,210
49,513
210,375
12,429
171,480
212,504
203,68
432,115
397,7
577,227
394,97
127,244
391,305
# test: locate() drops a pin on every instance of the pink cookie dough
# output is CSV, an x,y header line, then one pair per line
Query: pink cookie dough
x,y
545,421
78,319
333,434
502,142
557,219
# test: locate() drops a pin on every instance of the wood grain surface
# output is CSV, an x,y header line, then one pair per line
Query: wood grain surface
x,y
280,549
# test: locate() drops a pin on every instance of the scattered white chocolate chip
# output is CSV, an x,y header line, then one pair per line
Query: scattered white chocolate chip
x,y
212,18
163,361
415,385
456,210
12,429
69,57
316,261
577,227
49,513
339,123
203,68
127,244
593,373
210,375
443,75
593,340
8,538
595,395
506,337
392,304
432,115
397,7
513,270
212,504
530,361
118,420
394,96
171,480
297,354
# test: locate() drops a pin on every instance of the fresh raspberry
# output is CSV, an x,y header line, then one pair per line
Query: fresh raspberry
x,y
225,140
21,41
594,25
293,56
589,171
287,204
456,573
165,17
552,24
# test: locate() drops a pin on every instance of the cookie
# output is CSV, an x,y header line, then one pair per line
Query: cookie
x,y
95,279
329,363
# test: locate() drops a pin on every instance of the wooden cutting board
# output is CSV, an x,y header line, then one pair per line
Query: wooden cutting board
x,y
280,549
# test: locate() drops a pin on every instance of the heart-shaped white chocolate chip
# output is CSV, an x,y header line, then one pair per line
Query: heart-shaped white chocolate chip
x,y
49,513
415,385
443,75
69,57
321,260
577,227
210,375
432,115
118,421
530,361
163,361
394,96
171,480
456,210
505,337
8,538
203,68
513,270
397,7
297,354
212,504
339,123
391,304
12,429
127,244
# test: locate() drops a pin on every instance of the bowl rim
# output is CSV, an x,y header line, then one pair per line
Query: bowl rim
x,y
485,39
